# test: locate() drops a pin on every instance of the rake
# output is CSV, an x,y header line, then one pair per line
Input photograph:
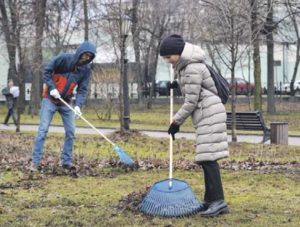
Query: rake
x,y
123,156
170,197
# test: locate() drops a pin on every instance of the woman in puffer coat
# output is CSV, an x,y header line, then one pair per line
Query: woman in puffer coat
x,y
202,103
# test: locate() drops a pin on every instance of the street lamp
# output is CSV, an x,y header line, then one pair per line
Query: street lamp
x,y
125,26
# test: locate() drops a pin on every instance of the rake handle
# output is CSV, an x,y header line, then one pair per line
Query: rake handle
x,y
86,121
171,119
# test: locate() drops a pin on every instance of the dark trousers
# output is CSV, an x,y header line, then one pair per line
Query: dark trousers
x,y
10,113
213,183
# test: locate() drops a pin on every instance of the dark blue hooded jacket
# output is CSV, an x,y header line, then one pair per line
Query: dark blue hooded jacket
x,y
63,73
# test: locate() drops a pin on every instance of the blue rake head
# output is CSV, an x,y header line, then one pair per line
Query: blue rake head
x,y
176,201
124,157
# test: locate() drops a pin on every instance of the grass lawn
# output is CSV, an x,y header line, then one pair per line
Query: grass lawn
x,y
261,183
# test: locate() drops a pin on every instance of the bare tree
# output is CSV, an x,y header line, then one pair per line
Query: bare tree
x,y
228,28
293,9
150,21
199,21
135,30
15,20
112,22
255,41
9,20
63,19
157,18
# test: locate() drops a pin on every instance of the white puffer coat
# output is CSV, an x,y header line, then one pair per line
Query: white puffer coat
x,y
202,103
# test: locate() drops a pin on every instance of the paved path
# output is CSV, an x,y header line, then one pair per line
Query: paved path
x,y
293,140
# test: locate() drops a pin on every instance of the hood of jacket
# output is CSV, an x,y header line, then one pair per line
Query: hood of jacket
x,y
83,48
190,54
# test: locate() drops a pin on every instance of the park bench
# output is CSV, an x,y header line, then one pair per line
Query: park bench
x,y
250,120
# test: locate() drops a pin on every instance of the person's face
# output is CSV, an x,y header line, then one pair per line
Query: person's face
x,y
10,84
171,59
85,58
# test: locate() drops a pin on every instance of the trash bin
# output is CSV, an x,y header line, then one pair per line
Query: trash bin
x,y
279,133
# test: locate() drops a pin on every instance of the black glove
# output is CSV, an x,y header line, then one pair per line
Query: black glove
x,y
174,128
173,85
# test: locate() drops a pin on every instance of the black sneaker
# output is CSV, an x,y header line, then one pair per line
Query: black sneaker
x,y
69,167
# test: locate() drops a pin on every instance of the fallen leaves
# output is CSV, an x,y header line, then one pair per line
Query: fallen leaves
x,y
16,153
131,202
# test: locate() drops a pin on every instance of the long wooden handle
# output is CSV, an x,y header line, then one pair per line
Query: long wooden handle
x,y
86,121
171,119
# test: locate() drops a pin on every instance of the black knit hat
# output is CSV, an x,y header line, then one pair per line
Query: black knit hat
x,y
170,45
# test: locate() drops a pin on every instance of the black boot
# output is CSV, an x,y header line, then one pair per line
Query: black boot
x,y
214,196
215,208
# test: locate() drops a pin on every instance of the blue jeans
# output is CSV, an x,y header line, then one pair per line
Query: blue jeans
x,y
48,109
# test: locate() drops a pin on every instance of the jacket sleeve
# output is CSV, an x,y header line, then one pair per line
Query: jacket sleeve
x,y
51,68
192,81
5,91
82,87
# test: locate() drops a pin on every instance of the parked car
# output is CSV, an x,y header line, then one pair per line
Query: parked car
x,y
243,87
287,89
161,88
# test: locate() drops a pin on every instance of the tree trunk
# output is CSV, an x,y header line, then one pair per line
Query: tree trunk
x,y
233,105
295,67
256,56
39,10
149,64
257,76
152,73
233,51
136,47
9,35
270,53
21,84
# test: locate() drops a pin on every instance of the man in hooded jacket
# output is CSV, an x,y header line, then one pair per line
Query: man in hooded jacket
x,y
61,75
202,103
